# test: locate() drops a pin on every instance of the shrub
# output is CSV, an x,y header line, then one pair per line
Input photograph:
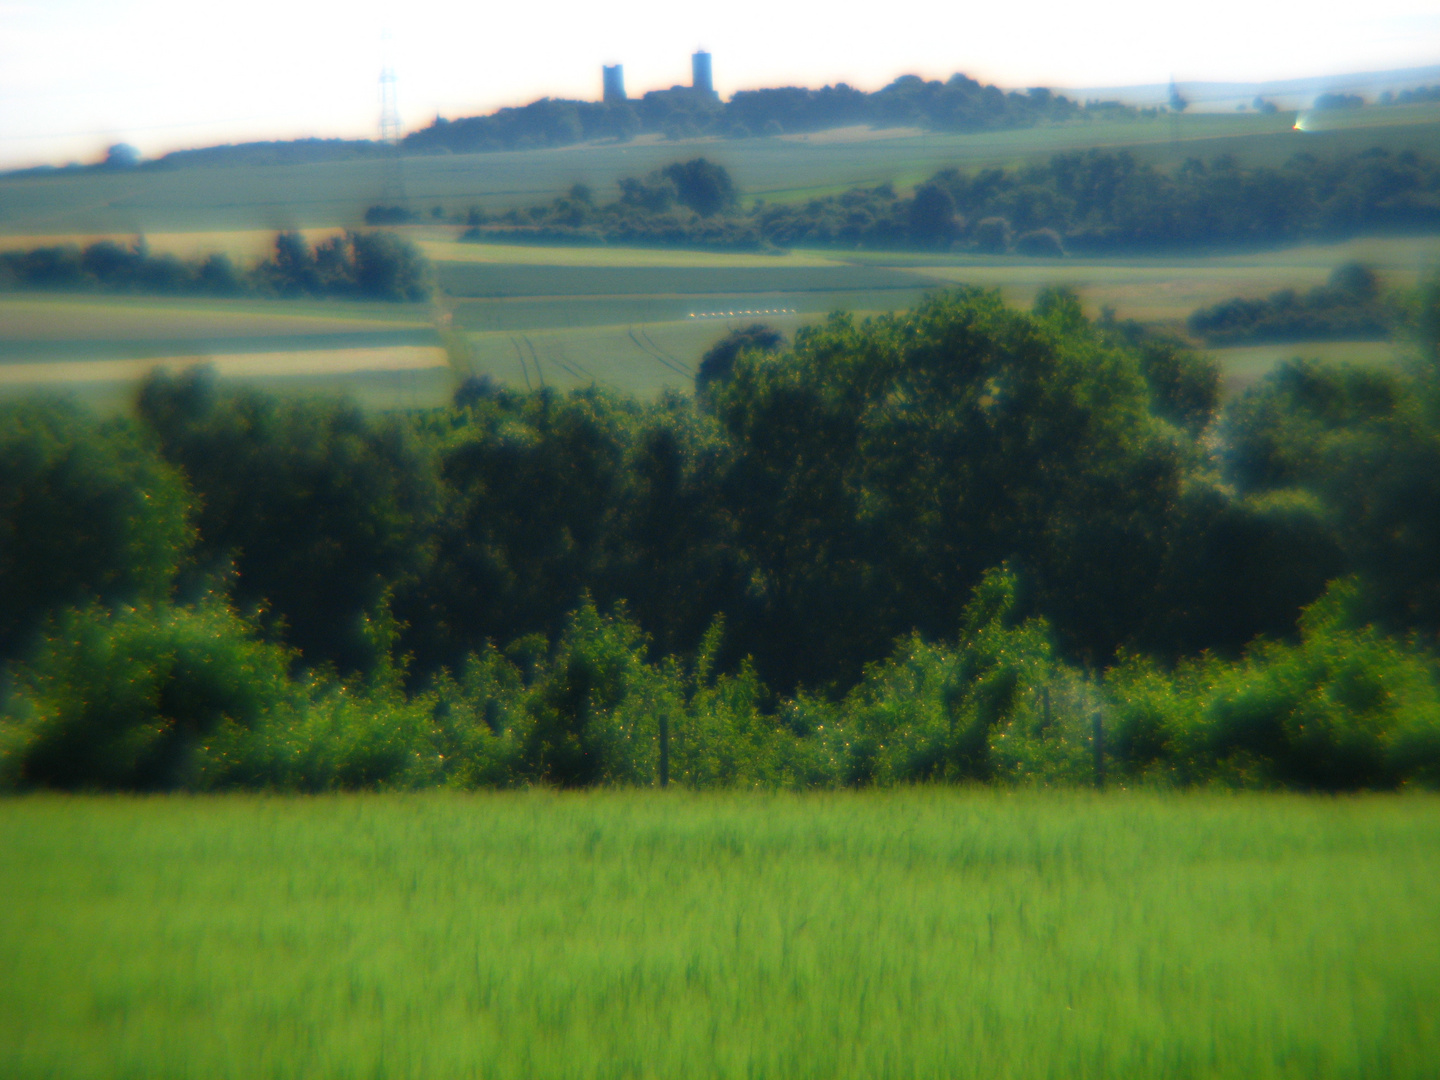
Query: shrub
x,y
335,738
997,704
1343,709
1042,243
588,711
126,699
575,729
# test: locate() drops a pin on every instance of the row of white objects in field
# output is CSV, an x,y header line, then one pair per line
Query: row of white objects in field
x,y
733,314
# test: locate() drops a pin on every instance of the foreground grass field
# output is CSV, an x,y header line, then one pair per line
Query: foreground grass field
x,y
925,934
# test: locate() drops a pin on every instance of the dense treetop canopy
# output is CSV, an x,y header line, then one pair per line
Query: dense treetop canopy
x,y
928,546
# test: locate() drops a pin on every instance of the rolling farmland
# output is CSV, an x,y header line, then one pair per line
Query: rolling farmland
x,y
586,311
637,320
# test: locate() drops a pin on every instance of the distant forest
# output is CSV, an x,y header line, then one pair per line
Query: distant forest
x,y
1096,201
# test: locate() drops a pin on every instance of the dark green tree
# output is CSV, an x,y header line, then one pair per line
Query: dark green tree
x,y
388,267
88,512
932,217
719,360
538,483
323,512
1365,443
880,468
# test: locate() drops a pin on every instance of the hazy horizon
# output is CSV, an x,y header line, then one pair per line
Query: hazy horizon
x,y
79,75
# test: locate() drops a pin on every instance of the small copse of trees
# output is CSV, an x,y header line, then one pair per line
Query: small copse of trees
x,y
1351,306
359,265
1097,201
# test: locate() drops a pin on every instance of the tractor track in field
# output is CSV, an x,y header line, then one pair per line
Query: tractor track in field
x,y
554,359
520,356
671,357
652,352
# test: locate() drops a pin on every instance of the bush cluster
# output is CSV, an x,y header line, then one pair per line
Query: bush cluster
x,y
192,697
1351,306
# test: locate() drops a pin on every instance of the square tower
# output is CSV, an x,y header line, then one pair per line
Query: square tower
x,y
700,73
614,76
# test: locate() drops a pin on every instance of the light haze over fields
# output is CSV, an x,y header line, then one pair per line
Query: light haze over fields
x,y
78,75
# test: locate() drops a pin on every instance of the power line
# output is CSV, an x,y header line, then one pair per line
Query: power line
x,y
394,185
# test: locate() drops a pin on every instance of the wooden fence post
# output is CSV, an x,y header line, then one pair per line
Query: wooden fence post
x,y
1099,751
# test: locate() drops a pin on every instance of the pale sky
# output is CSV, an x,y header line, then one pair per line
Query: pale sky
x,y
77,75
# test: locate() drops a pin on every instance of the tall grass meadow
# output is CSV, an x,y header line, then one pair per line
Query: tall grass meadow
x,y
928,932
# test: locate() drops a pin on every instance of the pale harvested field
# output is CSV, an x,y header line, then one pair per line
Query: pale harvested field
x,y
39,317
235,365
1245,365
440,250
854,133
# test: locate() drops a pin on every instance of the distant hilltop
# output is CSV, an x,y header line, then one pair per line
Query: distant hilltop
x,y
959,104
1401,86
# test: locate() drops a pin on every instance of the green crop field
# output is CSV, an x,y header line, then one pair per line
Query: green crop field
x,y
777,169
500,280
624,318
944,934
643,359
